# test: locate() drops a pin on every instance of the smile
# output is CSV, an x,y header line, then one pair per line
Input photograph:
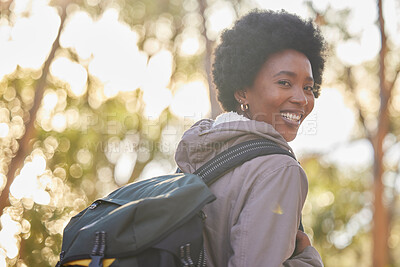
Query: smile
x,y
292,117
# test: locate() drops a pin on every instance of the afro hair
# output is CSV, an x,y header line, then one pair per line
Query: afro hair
x,y
245,48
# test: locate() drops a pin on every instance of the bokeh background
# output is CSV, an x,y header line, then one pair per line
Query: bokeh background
x,y
95,94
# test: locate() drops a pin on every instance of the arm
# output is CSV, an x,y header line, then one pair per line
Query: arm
x,y
302,241
265,232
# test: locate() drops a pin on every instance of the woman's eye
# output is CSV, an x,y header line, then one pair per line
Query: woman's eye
x,y
309,89
284,83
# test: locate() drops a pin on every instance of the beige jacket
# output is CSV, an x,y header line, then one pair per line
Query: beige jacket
x,y
254,221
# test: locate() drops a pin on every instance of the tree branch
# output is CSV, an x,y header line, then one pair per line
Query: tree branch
x,y
391,85
25,144
357,103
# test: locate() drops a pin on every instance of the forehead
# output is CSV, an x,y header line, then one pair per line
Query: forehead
x,y
287,61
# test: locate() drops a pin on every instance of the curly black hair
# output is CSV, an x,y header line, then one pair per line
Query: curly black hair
x,y
245,48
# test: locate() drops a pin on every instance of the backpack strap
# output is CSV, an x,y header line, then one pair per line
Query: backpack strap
x,y
237,155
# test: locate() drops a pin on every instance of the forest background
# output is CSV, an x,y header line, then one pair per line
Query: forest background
x,y
96,93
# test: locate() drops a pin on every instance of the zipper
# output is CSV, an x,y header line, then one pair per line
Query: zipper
x,y
99,247
223,161
62,254
186,259
252,145
202,262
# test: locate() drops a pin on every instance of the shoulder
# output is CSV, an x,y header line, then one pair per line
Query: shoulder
x,y
274,172
270,164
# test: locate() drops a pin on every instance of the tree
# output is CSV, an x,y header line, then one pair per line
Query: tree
x,y
377,124
25,146
78,158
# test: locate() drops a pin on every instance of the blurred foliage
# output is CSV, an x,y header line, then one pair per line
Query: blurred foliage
x,y
82,152
337,213
78,170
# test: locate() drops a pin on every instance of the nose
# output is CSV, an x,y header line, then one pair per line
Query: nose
x,y
299,97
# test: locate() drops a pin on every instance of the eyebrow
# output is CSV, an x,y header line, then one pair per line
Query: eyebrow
x,y
292,74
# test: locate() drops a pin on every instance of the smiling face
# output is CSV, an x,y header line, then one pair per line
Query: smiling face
x,y
282,93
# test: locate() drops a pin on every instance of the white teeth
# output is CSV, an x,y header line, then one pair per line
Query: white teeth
x,y
291,116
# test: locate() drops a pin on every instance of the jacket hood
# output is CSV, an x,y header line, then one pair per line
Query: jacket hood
x,y
206,138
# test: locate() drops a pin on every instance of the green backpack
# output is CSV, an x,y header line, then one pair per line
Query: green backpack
x,y
154,222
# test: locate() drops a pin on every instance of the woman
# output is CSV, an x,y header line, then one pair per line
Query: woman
x,y
267,71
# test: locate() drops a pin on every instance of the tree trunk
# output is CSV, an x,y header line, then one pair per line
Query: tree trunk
x,y
25,143
5,8
381,219
215,107
381,222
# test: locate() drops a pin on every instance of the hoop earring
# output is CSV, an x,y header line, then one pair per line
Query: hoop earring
x,y
244,107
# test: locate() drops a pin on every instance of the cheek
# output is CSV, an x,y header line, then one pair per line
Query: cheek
x,y
310,105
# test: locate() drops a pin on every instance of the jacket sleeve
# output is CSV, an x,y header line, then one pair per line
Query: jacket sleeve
x,y
265,232
309,257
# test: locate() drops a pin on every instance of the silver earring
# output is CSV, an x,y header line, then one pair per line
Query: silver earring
x,y
244,107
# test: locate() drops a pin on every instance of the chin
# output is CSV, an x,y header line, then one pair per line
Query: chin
x,y
289,134
289,137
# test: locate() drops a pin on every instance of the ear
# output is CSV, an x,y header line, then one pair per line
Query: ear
x,y
240,96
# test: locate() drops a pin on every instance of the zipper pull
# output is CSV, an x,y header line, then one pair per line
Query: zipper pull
x,y
97,261
202,215
98,250
94,205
